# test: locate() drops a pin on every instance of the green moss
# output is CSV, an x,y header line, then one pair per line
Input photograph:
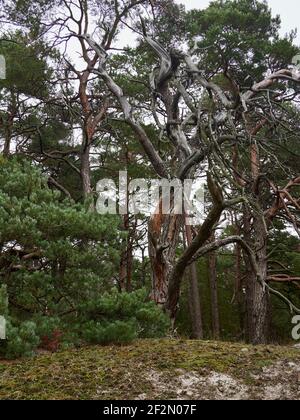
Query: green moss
x,y
120,372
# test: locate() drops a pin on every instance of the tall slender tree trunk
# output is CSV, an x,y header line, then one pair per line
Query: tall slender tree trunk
x,y
126,263
257,296
144,267
7,142
238,287
124,257
9,123
90,123
194,294
85,171
215,315
238,297
256,233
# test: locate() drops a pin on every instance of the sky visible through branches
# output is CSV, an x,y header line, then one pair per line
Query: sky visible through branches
x,y
288,10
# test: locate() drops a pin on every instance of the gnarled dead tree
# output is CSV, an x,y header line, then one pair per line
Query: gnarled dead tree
x,y
195,136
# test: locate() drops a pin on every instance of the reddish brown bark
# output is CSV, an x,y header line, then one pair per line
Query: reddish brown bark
x,y
163,231
256,236
126,263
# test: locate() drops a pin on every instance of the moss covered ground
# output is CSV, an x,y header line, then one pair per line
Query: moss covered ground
x,y
156,369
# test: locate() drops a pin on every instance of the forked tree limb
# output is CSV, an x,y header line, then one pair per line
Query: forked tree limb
x,y
204,233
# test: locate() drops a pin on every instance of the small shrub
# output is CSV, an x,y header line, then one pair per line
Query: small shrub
x,y
153,323
21,340
121,317
118,332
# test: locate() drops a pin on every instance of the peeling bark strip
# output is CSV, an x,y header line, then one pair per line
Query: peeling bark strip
x,y
163,231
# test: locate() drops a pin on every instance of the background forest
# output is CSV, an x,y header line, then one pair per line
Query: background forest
x,y
94,87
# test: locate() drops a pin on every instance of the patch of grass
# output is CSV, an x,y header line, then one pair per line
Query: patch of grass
x,y
114,372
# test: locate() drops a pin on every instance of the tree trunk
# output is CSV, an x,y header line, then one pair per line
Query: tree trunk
x,y
86,171
126,262
257,302
238,287
257,297
194,294
9,123
163,231
125,274
215,316
7,141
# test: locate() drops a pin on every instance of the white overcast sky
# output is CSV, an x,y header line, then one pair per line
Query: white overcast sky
x,y
289,11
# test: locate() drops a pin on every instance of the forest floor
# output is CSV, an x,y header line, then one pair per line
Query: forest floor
x,y
157,369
